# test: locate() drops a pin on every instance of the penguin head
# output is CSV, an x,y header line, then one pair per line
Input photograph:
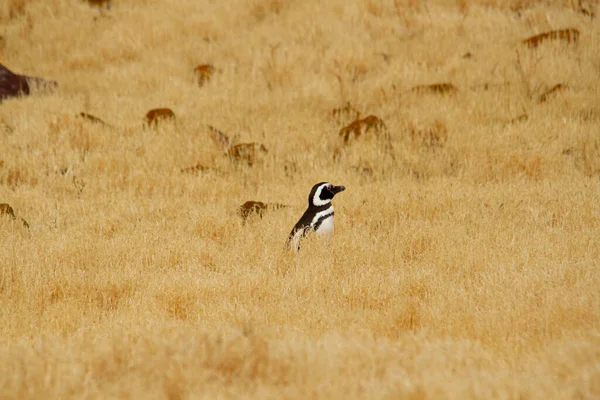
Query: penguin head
x,y
322,193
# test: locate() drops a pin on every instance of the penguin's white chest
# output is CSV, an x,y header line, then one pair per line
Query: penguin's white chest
x,y
326,227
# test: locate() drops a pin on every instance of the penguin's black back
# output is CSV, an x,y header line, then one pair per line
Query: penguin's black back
x,y
306,219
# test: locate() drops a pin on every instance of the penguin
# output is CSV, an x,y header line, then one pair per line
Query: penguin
x,y
318,217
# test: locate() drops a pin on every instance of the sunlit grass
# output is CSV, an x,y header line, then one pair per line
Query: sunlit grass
x,y
465,258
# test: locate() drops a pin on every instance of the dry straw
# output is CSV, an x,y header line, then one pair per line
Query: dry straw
x,y
465,261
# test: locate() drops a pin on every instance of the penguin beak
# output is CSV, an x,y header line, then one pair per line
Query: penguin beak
x,y
337,189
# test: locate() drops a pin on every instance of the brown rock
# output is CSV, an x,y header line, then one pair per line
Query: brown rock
x,y
12,85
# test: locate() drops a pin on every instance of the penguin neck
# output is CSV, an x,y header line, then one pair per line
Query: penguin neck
x,y
316,209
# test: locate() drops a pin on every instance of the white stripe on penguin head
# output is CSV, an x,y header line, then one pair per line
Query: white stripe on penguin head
x,y
316,200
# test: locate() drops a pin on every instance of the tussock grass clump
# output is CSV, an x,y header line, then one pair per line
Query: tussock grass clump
x,y
204,73
154,116
569,35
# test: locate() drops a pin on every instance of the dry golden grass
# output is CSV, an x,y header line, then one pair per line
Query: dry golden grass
x,y
466,258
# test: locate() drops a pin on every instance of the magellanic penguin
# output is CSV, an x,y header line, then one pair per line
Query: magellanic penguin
x,y
318,217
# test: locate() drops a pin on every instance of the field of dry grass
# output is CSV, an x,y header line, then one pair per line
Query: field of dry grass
x,y
466,257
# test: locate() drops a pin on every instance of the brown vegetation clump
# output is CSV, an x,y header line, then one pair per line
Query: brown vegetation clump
x,y
246,152
91,118
362,126
437,88
252,207
15,177
196,168
12,9
586,156
433,135
204,73
551,92
344,114
154,116
570,35
519,118
222,141
258,208
362,170
5,127
7,210
99,3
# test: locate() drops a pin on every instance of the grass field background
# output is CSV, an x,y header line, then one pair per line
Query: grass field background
x,y
466,258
